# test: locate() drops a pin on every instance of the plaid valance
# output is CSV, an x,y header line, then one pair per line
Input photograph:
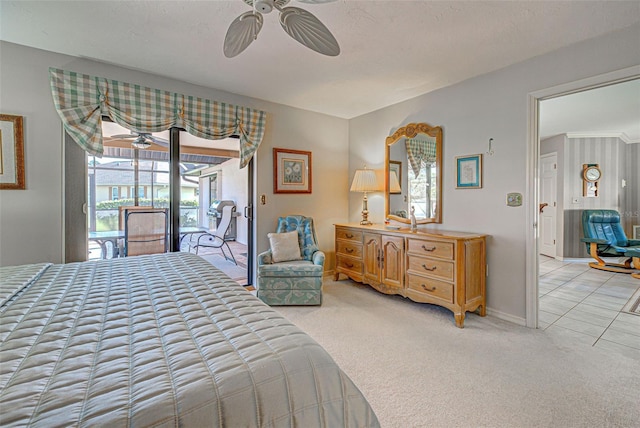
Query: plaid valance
x,y
421,151
81,101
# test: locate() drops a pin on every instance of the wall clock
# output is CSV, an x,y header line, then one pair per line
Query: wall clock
x,y
591,174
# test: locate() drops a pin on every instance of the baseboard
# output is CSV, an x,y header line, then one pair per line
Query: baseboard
x,y
507,317
574,259
328,273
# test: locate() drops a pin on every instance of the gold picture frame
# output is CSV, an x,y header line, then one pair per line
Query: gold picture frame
x,y
395,167
12,175
291,171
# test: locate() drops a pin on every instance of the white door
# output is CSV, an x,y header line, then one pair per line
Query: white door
x,y
548,203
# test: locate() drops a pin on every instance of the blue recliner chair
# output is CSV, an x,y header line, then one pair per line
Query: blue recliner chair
x,y
293,282
604,237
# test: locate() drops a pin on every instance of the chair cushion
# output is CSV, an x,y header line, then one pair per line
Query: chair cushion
x,y
604,224
306,233
284,246
305,236
296,268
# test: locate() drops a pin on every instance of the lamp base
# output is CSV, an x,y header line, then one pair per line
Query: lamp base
x,y
365,218
365,211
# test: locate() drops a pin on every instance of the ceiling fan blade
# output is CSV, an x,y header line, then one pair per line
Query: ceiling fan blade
x,y
159,141
242,31
125,136
308,30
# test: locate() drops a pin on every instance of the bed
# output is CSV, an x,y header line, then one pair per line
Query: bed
x,y
159,340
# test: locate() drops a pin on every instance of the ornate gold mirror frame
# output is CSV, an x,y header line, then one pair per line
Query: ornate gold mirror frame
x,y
425,188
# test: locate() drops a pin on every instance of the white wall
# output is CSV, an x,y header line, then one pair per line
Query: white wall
x,y
31,220
489,106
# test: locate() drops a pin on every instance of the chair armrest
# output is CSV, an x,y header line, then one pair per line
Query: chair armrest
x,y
595,241
634,242
265,258
318,258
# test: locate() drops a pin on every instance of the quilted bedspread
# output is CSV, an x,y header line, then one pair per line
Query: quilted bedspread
x,y
161,340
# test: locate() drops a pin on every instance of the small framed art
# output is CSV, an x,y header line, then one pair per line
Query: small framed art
x,y
291,171
469,172
11,152
395,186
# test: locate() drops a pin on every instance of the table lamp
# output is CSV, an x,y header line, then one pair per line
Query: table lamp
x,y
365,181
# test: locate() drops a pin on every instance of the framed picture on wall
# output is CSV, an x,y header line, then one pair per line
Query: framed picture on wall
x,y
395,172
469,172
11,152
291,171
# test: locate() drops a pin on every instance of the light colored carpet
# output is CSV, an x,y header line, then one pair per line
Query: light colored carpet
x,y
417,369
633,307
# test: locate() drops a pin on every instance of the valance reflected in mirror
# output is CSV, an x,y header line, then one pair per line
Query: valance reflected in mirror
x,y
413,167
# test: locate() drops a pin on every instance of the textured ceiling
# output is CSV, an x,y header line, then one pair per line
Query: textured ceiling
x,y
391,50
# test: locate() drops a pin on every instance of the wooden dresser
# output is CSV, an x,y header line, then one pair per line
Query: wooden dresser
x,y
429,266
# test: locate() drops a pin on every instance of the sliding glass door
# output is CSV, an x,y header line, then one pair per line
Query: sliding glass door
x,y
137,173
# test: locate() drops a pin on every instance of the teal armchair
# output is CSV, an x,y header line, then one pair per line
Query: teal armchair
x,y
604,237
293,282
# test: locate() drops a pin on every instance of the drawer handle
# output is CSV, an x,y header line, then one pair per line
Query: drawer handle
x,y
349,236
429,289
429,249
349,265
428,268
349,250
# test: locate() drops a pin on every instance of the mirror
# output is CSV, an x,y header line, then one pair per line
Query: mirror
x,y
413,174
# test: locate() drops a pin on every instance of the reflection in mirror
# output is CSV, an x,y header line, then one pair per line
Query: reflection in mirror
x,y
413,173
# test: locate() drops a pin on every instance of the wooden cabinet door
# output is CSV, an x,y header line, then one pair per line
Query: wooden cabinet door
x,y
371,251
393,261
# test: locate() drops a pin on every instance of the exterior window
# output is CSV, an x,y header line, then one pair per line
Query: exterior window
x,y
213,188
115,193
132,191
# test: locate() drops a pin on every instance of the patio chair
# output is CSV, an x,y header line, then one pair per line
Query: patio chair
x,y
217,238
290,272
145,232
604,237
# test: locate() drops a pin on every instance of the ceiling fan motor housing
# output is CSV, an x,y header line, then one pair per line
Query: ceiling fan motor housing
x,y
263,6
266,6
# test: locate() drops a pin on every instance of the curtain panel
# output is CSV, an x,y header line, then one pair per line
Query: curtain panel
x,y
81,101
421,152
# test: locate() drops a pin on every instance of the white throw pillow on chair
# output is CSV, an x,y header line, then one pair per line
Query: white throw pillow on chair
x,y
284,246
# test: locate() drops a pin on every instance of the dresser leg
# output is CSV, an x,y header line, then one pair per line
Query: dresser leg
x,y
336,276
459,319
482,310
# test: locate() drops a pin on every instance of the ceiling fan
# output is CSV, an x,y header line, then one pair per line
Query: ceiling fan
x,y
301,25
142,140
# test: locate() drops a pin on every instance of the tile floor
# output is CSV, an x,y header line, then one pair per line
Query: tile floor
x,y
585,304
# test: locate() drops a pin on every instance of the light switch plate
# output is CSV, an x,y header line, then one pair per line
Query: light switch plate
x,y
514,199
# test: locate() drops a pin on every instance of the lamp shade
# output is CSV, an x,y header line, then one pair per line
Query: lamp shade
x,y
365,181
394,184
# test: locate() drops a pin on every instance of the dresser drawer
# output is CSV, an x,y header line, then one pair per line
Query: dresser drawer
x,y
443,250
349,234
432,267
349,264
432,287
349,248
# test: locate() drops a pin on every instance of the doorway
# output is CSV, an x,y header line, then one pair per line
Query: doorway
x,y
535,239
548,205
